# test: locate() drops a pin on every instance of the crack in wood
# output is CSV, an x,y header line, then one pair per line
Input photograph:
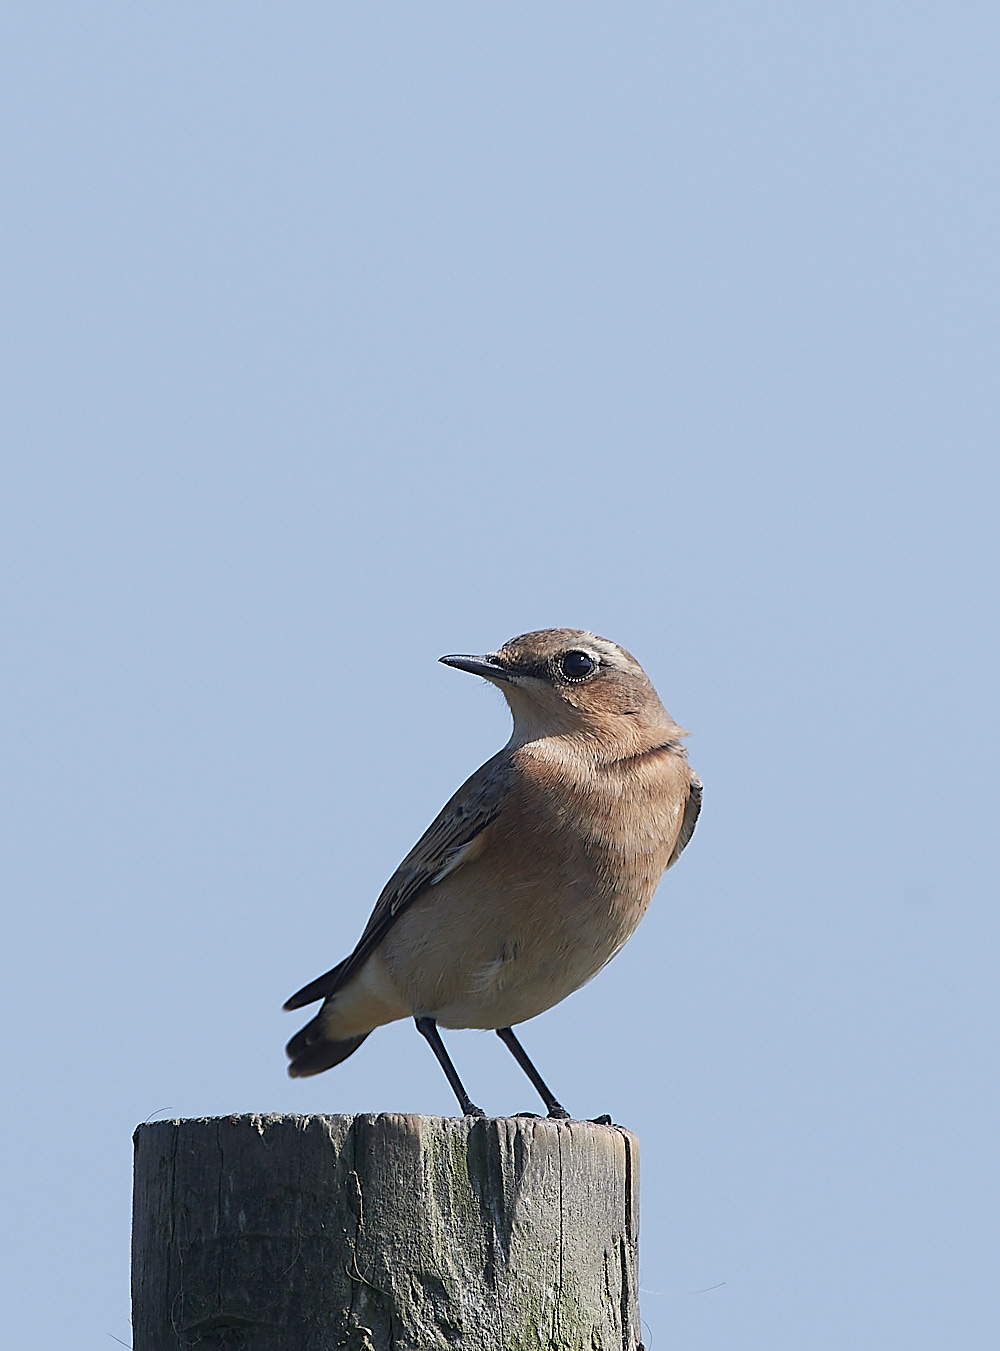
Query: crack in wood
x,y
384,1233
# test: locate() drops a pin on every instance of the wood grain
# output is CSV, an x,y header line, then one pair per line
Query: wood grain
x,y
385,1233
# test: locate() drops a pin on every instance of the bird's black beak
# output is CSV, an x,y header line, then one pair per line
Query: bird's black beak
x,y
487,666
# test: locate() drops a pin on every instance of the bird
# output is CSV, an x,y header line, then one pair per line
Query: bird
x,y
534,874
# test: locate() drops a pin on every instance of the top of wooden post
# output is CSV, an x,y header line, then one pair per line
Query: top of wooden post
x,y
299,1233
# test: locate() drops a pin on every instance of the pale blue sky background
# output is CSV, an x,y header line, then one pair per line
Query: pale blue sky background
x,y
341,335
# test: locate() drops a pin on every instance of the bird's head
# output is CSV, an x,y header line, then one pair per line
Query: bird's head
x,y
567,682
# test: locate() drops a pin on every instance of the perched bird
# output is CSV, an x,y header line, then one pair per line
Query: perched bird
x,y
534,874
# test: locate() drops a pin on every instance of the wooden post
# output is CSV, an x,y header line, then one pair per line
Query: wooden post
x,y
384,1233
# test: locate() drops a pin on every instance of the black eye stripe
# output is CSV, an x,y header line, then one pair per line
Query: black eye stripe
x,y
552,668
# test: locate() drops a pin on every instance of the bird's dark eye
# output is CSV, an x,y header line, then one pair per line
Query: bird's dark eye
x,y
576,665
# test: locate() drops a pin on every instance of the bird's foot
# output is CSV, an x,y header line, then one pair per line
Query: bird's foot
x,y
528,1116
558,1113
470,1109
603,1120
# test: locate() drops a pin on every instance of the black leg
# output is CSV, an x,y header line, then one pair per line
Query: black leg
x,y
427,1027
555,1109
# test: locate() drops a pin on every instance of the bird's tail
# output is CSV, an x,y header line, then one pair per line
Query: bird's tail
x,y
311,1052
320,988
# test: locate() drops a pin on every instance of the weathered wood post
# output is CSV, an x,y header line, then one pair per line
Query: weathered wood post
x,y
385,1233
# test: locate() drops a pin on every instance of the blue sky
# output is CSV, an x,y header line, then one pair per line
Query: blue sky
x,y
342,336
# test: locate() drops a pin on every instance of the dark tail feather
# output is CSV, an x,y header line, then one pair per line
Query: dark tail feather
x,y
316,989
312,1053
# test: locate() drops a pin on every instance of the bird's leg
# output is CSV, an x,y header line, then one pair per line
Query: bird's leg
x,y
555,1109
427,1027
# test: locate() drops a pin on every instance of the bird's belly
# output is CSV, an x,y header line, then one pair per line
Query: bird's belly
x,y
504,992
498,961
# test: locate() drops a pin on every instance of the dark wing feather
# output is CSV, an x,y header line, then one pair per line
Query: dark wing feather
x,y
436,854
691,809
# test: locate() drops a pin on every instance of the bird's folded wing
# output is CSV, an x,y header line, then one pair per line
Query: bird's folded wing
x,y
444,846
690,819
